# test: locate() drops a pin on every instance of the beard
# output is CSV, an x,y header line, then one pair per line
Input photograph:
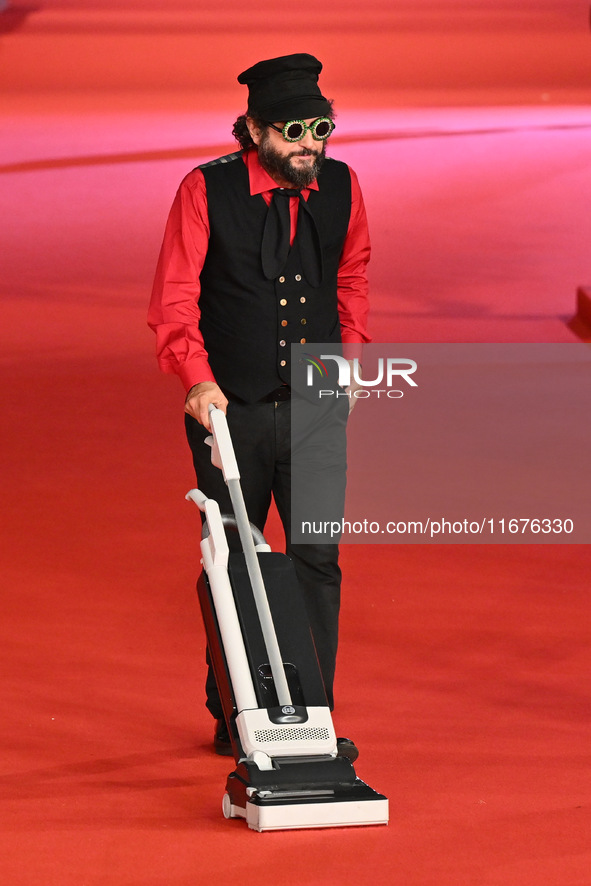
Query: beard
x,y
282,165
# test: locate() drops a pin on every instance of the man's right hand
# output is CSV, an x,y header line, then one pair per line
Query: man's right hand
x,y
199,398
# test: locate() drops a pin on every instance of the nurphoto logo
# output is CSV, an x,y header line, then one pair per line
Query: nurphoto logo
x,y
390,371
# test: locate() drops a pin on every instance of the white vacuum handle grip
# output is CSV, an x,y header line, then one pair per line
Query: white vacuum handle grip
x,y
222,451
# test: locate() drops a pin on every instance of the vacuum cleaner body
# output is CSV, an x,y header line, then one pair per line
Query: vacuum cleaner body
x,y
289,773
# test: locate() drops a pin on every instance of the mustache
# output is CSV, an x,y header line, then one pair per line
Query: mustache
x,y
306,152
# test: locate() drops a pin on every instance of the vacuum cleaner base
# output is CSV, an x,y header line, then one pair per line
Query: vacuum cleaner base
x,y
266,814
310,792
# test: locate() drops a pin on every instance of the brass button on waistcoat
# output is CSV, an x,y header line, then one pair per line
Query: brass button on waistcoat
x,y
282,279
298,277
282,344
283,302
283,363
302,341
303,300
284,322
303,321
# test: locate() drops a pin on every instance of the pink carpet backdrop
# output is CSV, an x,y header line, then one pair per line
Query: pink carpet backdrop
x,y
463,668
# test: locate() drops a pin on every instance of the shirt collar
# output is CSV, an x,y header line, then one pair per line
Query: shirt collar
x,y
259,178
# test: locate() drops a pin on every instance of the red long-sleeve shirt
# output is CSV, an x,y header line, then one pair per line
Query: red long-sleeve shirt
x,y
174,312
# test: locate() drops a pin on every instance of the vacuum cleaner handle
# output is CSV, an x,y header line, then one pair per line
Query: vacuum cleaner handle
x,y
222,456
222,451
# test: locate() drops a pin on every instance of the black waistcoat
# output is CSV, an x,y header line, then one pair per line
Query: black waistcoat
x,y
248,322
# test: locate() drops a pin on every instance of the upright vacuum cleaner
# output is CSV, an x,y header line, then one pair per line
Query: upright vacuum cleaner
x,y
288,772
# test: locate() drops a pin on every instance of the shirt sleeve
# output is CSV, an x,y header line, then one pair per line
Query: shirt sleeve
x,y
174,307
352,281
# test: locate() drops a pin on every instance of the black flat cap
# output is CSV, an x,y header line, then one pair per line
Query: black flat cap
x,y
285,88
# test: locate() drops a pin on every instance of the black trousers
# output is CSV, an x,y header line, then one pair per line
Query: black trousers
x,y
261,436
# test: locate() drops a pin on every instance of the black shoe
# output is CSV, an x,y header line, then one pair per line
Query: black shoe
x,y
347,748
221,739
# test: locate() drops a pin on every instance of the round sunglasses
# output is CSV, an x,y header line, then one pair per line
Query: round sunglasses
x,y
295,130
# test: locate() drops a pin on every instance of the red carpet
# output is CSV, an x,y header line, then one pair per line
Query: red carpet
x,y
463,671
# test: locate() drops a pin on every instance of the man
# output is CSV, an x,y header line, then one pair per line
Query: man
x,y
264,248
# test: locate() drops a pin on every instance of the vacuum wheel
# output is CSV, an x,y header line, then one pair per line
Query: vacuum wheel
x,y
227,805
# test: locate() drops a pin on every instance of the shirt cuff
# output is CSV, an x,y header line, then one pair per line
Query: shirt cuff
x,y
194,372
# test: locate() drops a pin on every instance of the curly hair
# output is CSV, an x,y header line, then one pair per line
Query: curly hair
x,y
241,133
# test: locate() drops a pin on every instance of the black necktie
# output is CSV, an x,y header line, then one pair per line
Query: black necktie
x,y
275,245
